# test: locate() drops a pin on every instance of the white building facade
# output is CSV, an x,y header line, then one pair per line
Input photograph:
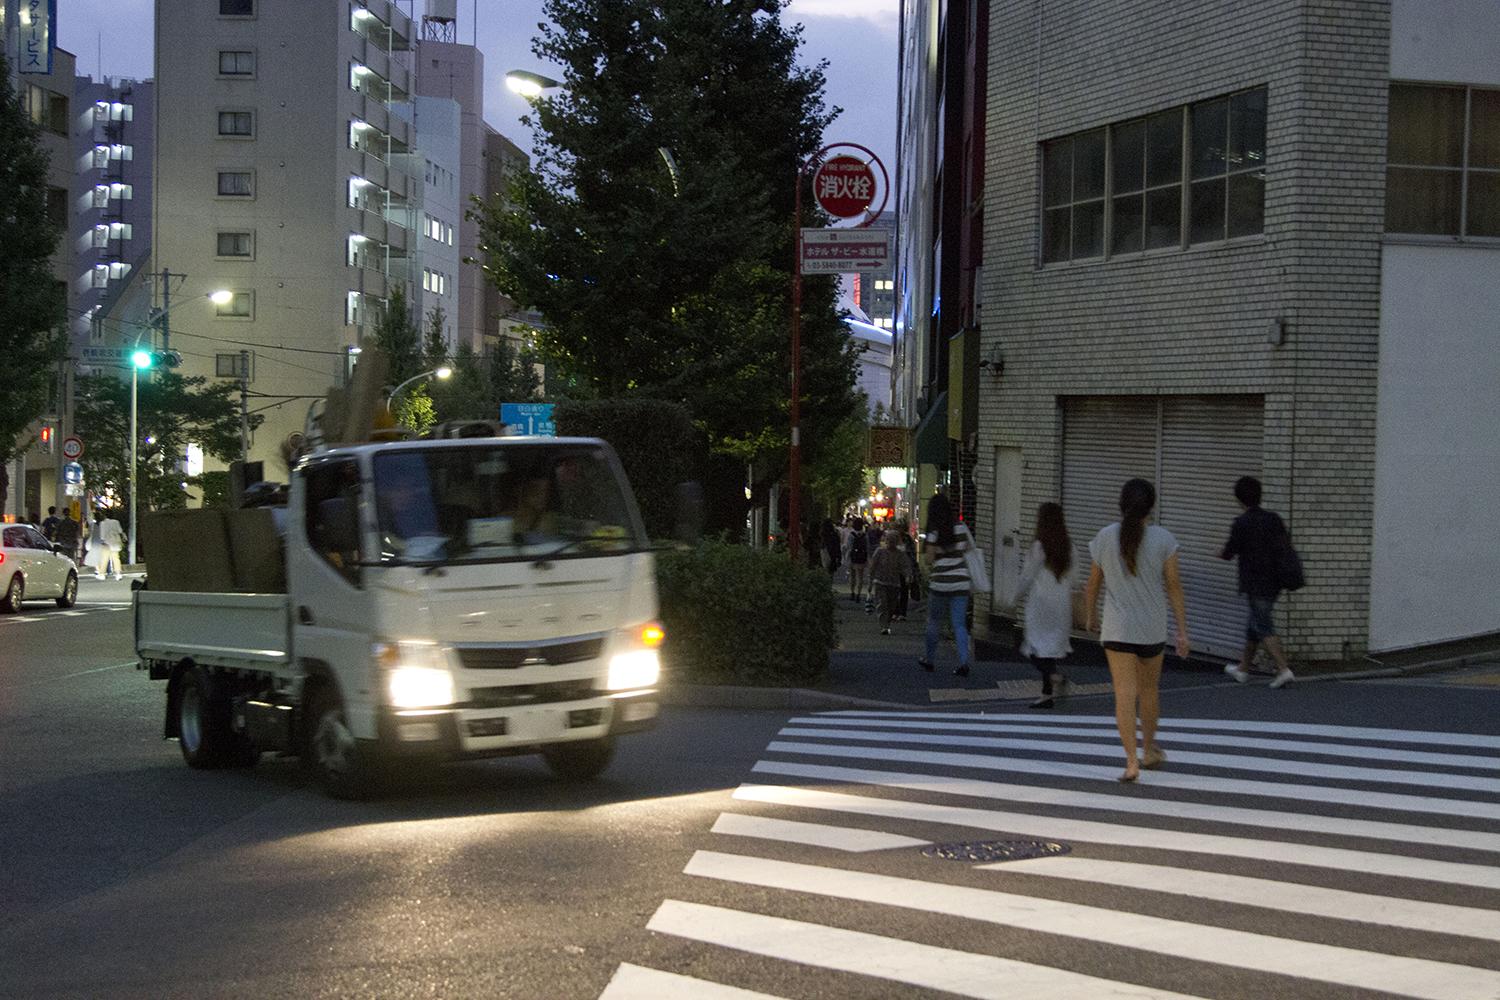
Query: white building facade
x,y
1266,242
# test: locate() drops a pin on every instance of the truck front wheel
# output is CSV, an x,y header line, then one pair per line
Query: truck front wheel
x,y
579,761
332,754
203,728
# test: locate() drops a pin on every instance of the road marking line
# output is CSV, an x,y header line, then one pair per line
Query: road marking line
x,y
73,614
1089,831
636,982
963,973
1146,804
1415,977
1163,779
1337,904
1475,761
839,838
1229,762
1234,725
96,670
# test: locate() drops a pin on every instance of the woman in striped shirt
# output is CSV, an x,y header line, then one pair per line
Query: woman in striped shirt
x,y
948,583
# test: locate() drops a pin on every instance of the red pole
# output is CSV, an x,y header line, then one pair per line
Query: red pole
x,y
794,475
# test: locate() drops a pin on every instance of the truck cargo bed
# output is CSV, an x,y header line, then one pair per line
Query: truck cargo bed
x,y
248,631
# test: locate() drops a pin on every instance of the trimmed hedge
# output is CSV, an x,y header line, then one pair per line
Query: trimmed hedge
x,y
657,443
734,615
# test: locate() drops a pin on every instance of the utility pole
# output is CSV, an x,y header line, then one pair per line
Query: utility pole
x,y
166,309
244,406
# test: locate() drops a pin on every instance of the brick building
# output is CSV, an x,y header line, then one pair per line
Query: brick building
x,y
1225,239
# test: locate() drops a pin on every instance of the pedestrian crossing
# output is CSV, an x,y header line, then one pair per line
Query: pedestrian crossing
x,y
1266,859
39,613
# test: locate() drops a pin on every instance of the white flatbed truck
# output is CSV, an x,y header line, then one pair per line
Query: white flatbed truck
x,y
444,600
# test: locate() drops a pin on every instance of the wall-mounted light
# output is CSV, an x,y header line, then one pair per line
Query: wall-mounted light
x,y
994,362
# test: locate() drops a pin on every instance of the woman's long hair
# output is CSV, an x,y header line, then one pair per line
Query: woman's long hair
x,y
940,520
1137,497
1052,532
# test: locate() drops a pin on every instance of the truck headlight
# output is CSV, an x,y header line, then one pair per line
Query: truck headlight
x,y
416,674
636,663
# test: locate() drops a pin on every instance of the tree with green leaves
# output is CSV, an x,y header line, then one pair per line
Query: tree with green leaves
x,y
655,231
435,343
32,301
397,335
172,411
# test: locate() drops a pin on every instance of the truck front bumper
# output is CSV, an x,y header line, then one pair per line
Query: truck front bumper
x,y
457,733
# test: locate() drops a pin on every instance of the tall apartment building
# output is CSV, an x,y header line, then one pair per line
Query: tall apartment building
x,y
111,238
438,122
1230,239
503,159
43,81
287,174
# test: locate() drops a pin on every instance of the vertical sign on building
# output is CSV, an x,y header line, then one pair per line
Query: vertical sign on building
x,y
36,36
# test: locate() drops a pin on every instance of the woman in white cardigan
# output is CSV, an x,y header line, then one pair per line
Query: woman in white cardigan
x,y
1047,587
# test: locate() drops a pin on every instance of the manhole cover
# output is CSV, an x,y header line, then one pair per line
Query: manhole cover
x,y
996,850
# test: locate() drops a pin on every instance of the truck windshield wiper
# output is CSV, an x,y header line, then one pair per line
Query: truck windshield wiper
x,y
571,543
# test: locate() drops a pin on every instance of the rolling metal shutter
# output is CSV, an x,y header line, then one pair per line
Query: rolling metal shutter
x,y
1207,443
1106,440
1192,448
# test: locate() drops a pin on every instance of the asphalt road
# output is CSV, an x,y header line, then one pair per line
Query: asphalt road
x,y
1259,863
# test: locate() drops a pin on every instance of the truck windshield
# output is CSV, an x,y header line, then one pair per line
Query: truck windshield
x,y
477,503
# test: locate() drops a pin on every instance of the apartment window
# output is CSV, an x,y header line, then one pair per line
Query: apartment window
x,y
236,63
236,184
1189,175
1443,161
236,8
237,123
449,230
47,109
101,237
1073,197
1228,143
241,305
236,244
232,365
426,280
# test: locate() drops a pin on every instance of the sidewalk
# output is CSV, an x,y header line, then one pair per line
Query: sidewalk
x,y
872,671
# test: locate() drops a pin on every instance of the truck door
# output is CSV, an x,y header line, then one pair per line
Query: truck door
x,y
330,607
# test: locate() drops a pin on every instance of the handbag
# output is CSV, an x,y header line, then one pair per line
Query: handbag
x,y
979,577
1289,573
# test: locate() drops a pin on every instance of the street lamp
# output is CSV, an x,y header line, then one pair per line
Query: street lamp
x,y
140,360
441,372
529,85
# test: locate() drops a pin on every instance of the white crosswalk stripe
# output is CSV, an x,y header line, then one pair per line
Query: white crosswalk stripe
x,y
835,815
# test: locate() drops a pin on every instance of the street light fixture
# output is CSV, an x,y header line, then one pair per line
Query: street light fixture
x,y
442,372
529,85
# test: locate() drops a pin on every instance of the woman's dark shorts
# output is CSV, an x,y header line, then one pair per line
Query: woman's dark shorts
x,y
1141,649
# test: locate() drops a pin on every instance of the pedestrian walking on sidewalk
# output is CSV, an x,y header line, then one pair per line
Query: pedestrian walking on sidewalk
x,y
109,537
1136,564
886,577
859,557
49,525
68,534
948,582
1046,585
873,539
1259,539
909,573
831,548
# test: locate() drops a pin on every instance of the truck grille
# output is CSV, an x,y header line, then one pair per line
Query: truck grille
x,y
513,657
530,694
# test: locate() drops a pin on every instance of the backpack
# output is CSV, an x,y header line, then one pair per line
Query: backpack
x,y
858,549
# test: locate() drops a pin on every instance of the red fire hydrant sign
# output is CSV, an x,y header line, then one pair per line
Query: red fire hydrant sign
x,y
844,186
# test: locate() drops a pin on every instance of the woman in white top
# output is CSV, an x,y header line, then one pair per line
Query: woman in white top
x,y
1136,563
1047,587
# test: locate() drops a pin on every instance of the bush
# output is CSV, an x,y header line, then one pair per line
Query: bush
x,y
657,443
738,616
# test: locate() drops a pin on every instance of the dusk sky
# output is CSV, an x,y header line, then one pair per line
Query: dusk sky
x,y
858,37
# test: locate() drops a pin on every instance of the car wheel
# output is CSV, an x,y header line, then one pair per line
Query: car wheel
x,y
204,732
15,593
579,761
340,767
70,592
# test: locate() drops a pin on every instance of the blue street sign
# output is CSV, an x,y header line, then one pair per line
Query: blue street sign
x,y
73,474
528,418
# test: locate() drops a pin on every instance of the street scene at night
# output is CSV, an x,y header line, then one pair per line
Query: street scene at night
x,y
785,499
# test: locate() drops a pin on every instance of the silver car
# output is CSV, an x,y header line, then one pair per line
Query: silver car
x,y
32,568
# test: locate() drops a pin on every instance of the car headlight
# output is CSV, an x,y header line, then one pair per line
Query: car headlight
x,y
416,674
636,663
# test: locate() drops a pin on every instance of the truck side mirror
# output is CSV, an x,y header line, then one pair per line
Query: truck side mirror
x,y
689,527
338,527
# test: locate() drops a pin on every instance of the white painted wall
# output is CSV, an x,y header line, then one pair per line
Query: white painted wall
x,y
1437,464
1447,41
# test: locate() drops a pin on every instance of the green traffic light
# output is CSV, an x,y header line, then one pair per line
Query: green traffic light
x,y
141,359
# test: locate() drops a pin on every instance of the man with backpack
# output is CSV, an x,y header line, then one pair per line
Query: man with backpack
x,y
858,556
1260,541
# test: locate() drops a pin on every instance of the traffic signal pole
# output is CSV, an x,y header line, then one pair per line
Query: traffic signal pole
x,y
245,406
794,470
